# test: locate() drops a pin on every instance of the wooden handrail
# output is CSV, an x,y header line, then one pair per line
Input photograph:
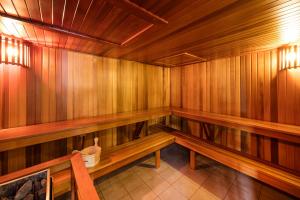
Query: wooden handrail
x,y
13,138
290,133
85,187
52,164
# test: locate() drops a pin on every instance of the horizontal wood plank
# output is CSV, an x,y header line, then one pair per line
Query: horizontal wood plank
x,y
280,131
13,138
115,158
278,178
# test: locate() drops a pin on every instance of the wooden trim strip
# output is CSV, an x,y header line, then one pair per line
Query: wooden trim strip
x,y
138,11
290,133
55,28
136,34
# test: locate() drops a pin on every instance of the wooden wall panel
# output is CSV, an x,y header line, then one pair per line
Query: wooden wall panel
x,y
248,86
61,85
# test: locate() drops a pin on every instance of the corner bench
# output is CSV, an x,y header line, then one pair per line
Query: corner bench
x,y
274,176
117,157
124,154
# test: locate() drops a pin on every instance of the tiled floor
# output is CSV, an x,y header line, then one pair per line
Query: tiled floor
x,y
174,180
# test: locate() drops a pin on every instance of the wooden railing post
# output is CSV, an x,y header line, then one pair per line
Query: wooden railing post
x,y
84,185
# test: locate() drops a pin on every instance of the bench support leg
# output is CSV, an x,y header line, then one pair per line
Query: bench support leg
x,y
157,159
192,159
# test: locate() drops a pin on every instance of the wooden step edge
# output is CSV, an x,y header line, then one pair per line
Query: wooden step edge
x,y
246,166
266,167
61,180
157,136
160,144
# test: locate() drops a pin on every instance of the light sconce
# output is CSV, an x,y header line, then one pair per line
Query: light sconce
x,y
14,51
289,57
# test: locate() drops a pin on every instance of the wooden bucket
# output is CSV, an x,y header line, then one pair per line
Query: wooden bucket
x,y
91,154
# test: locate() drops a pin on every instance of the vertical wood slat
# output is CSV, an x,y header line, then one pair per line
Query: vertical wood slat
x,y
265,93
63,85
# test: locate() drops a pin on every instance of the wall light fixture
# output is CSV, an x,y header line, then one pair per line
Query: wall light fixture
x,y
14,51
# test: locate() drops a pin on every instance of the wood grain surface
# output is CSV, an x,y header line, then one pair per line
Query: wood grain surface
x,y
64,85
247,86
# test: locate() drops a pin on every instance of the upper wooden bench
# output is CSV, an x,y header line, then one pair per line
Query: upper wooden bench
x,y
13,138
284,132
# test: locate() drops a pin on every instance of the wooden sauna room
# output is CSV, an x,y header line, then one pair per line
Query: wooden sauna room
x,y
149,99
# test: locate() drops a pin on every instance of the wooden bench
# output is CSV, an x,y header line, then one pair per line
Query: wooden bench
x,y
274,176
117,157
13,138
285,132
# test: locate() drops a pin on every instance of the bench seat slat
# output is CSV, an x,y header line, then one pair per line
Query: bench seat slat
x,y
17,137
115,158
276,177
280,131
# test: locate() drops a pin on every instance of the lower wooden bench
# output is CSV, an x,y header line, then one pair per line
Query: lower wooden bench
x,y
117,157
278,178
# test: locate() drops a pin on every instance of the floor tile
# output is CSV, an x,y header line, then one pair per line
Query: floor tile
x,y
186,186
175,180
115,192
142,192
170,175
131,182
203,194
127,197
225,171
171,194
198,176
218,185
157,184
126,173
146,173
107,182
247,183
239,193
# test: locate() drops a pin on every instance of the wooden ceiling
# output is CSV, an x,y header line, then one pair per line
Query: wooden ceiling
x,y
154,31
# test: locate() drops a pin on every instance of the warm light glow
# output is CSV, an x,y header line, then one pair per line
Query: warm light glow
x,y
290,28
289,57
14,51
290,33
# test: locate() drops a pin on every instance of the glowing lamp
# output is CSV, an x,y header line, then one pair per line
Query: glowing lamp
x,y
289,57
14,51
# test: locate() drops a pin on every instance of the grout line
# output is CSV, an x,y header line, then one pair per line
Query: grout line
x,y
228,190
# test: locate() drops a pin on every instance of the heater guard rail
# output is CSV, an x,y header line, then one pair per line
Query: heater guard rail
x,y
82,186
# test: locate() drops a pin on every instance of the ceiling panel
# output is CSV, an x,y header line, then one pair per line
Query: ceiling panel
x,y
179,60
152,31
